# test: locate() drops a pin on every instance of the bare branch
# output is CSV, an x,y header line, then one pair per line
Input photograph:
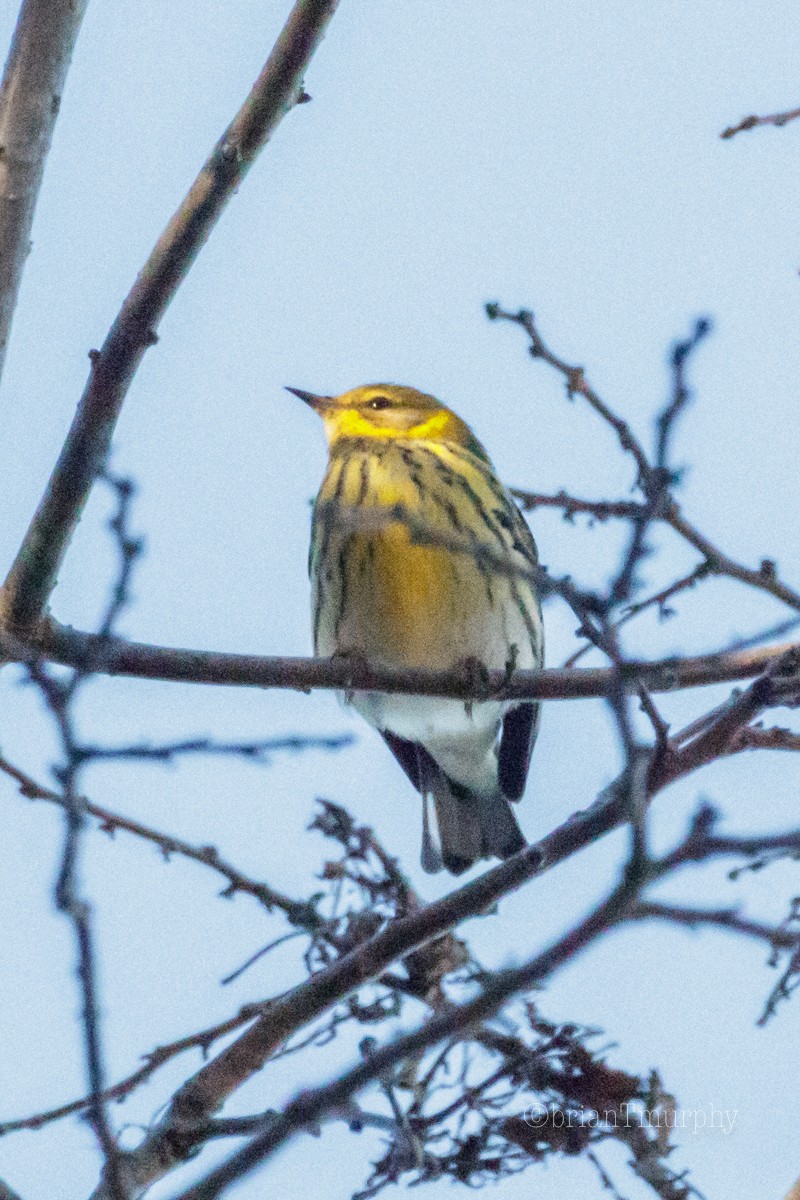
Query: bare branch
x,y
69,900
790,976
719,918
577,383
778,120
152,1061
599,510
779,684
765,577
658,599
30,98
311,1106
116,656
176,1135
299,912
260,751
33,574
754,737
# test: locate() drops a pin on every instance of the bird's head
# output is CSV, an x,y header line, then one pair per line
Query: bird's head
x,y
387,410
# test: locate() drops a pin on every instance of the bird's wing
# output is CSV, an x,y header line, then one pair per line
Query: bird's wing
x,y
407,754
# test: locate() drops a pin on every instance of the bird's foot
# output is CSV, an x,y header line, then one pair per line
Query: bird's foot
x,y
476,678
357,665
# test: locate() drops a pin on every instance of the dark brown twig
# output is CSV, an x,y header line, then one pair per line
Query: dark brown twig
x,y
299,912
777,120
576,381
152,1061
765,577
718,918
658,599
599,510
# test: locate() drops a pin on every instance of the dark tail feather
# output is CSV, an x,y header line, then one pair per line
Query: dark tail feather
x,y
501,836
470,827
457,819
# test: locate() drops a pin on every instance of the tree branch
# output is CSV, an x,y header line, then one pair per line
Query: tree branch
x,y
278,88
599,510
778,120
177,1134
300,912
116,656
719,918
30,97
151,1062
311,1106
765,577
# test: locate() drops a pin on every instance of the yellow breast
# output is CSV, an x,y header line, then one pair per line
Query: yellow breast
x,y
379,592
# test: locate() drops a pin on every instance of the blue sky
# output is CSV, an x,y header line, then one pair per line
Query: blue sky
x,y
562,157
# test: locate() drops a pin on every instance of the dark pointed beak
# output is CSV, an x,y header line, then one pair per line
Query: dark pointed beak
x,y
318,403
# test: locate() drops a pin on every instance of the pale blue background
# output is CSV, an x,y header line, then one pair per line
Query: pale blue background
x,y
560,156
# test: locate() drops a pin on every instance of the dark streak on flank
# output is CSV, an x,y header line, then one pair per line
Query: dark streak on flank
x,y
363,486
511,521
344,551
319,551
480,508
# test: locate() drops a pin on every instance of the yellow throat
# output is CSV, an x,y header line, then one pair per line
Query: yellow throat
x,y
388,410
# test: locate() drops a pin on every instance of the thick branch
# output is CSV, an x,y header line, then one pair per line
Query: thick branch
x,y
30,98
279,86
115,656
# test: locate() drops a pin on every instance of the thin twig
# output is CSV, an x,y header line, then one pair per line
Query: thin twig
x,y
765,577
718,918
156,1058
299,912
599,510
576,381
258,751
777,120
72,903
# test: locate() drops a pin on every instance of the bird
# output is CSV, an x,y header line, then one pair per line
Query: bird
x,y
419,557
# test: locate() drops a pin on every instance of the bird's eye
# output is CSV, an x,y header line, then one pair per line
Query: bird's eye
x,y
378,403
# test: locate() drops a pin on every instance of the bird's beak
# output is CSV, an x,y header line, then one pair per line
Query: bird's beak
x,y
318,403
